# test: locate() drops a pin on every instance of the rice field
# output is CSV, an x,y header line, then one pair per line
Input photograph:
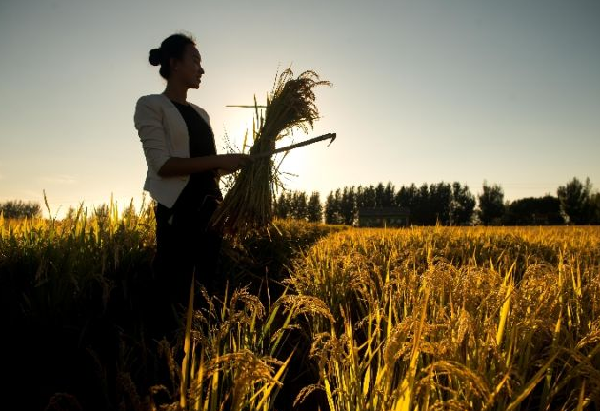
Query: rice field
x,y
498,318
418,318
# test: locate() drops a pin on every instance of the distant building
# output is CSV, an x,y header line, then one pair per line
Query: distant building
x,y
383,216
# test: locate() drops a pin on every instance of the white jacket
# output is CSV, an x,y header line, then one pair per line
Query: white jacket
x,y
163,133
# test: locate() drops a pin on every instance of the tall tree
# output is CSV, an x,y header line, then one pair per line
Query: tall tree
x,y
348,206
330,209
388,198
491,204
407,196
462,204
575,200
360,197
315,210
369,196
422,207
595,208
379,194
299,205
531,210
282,206
333,208
440,197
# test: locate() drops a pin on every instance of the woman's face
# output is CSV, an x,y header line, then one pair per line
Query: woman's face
x,y
188,70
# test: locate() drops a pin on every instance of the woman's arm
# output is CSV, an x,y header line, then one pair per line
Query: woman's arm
x,y
223,163
177,166
147,120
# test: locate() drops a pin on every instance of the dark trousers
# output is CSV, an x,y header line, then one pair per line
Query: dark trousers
x,y
185,244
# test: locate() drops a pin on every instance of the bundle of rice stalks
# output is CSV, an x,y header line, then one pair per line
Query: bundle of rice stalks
x,y
248,203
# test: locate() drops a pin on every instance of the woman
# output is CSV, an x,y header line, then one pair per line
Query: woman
x,y
183,178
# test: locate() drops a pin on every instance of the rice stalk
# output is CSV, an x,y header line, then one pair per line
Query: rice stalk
x,y
248,204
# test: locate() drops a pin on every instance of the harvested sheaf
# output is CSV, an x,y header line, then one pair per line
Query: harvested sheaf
x,y
248,203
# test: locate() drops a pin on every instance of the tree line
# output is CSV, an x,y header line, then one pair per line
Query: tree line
x,y
442,203
447,204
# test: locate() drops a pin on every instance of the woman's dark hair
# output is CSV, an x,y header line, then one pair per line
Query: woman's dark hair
x,y
172,46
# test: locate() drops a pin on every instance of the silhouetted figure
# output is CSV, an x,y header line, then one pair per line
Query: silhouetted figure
x,y
183,179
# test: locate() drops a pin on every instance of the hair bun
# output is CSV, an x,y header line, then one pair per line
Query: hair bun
x,y
155,57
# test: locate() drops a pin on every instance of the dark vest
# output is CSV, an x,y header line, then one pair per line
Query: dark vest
x,y
202,143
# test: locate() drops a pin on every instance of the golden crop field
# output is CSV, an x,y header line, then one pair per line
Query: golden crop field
x,y
418,318
457,317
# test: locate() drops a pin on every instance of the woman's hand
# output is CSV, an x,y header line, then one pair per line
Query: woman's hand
x,y
229,163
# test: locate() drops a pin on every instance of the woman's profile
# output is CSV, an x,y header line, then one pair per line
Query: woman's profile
x,y
183,180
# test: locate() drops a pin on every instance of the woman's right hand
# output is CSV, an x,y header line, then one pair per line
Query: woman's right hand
x,y
234,161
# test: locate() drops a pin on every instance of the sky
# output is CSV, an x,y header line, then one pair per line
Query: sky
x,y
506,92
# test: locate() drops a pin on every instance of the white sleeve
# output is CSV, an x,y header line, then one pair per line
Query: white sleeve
x,y
148,122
